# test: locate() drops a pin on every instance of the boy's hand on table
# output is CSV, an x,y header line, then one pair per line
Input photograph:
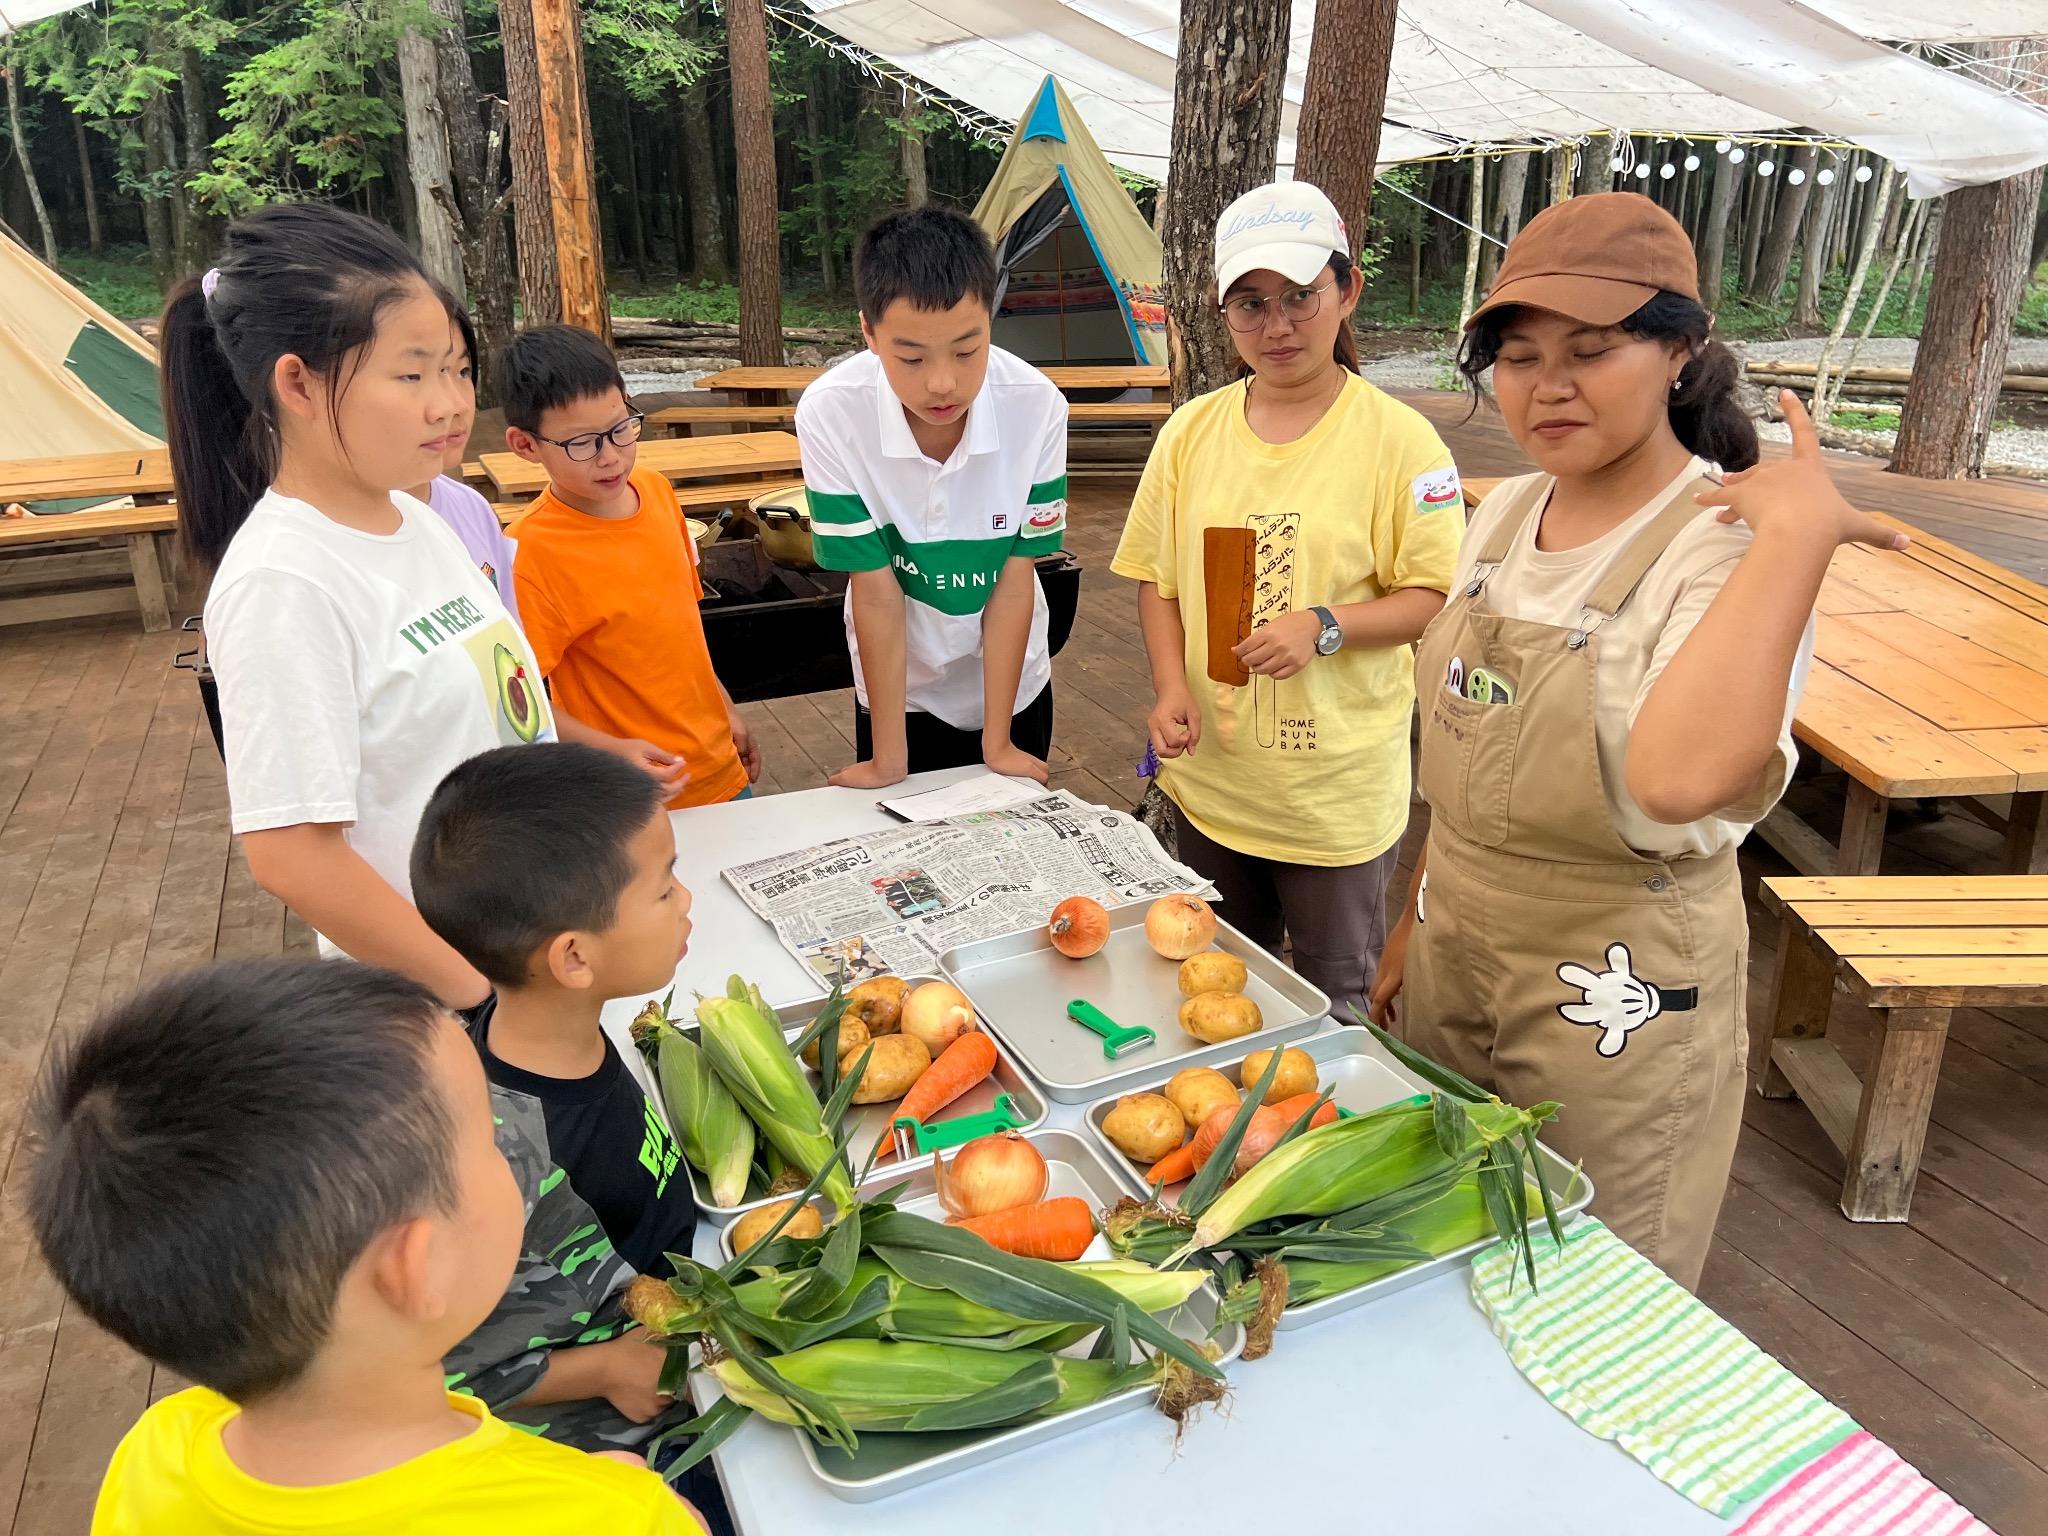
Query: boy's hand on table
x,y
743,742
872,774
1006,757
632,1371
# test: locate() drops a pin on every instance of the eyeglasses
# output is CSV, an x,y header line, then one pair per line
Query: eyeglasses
x,y
1249,313
589,445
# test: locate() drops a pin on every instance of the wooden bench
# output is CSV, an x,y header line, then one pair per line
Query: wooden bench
x,y
684,418
143,474
762,385
1145,412
678,458
75,545
1912,949
691,497
1929,680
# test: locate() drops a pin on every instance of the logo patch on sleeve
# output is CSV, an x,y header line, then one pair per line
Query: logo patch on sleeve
x,y
1049,514
1436,489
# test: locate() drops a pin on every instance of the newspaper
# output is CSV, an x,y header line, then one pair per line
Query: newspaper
x,y
891,902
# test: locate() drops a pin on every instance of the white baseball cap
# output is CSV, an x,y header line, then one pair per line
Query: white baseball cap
x,y
1287,227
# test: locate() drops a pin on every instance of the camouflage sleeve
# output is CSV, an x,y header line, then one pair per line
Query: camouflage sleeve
x,y
565,1288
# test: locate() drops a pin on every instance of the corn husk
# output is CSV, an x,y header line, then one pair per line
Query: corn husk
x,y
1443,1226
746,1049
879,1385
713,1131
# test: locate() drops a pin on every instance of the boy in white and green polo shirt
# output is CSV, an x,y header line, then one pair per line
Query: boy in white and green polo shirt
x,y
936,469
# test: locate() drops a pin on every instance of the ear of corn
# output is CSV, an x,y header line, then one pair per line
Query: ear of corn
x,y
715,1135
1443,1225
880,1385
747,1051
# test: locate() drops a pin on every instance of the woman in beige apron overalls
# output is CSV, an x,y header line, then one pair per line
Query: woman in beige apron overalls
x,y
1607,702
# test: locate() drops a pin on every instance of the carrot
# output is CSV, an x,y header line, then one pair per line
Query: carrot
x,y
1173,1168
1053,1229
1293,1109
1265,1125
960,1066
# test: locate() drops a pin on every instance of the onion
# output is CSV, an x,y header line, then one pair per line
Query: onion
x,y
990,1174
1180,926
937,1013
1079,927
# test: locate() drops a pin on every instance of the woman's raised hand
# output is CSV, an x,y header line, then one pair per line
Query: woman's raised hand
x,y
1795,497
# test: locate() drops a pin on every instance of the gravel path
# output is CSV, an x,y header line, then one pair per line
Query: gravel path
x,y
1886,351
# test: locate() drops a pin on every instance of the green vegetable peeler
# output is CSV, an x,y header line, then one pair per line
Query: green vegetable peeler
x,y
913,1135
1115,1038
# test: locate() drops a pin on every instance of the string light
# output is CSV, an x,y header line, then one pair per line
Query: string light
x,y
1666,171
1692,162
1766,167
1826,177
1722,146
1795,176
1643,171
1863,173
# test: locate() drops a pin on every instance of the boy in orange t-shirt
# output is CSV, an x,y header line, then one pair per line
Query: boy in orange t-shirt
x,y
607,573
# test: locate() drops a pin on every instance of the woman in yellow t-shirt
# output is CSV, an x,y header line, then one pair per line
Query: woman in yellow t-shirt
x,y
1293,533
1607,704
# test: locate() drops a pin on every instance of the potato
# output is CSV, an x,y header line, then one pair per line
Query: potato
x,y
879,1003
1198,1092
748,1229
1297,1074
899,1061
1213,972
1145,1126
1218,1016
853,1035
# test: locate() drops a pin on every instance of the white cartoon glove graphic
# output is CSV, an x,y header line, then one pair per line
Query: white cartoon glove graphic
x,y
1617,1001
1422,898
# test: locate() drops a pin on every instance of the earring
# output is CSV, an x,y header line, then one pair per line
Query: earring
x,y
1674,385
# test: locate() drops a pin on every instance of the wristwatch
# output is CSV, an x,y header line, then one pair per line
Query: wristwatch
x,y
1331,637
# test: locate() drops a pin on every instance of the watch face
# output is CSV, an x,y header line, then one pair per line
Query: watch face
x,y
1328,641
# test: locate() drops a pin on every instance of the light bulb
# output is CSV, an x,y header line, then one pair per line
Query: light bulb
x,y
1735,155
1643,172
1666,171
1826,178
1722,146
1766,167
1614,164
1795,175
1692,162
1863,173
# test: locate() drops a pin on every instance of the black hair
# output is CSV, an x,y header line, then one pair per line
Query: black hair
x,y
1705,415
1345,346
930,257
295,279
467,328
520,844
550,366
216,1152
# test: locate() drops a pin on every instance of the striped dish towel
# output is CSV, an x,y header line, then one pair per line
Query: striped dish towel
x,y
1861,1488
1632,1357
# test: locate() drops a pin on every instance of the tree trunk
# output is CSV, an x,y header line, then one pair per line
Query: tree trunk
x,y
1415,272
632,226
196,241
1514,186
814,150
1916,214
561,249
760,224
1924,249
1561,173
478,196
156,206
88,185
1873,225
1980,276
1816,256
1595,174
1755,218
1714,247
1775,264
1475,217
917,187
21,159
1228,73
708,263
1344,93
427,160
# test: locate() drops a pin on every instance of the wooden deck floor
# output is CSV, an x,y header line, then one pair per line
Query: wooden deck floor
x,y
116,865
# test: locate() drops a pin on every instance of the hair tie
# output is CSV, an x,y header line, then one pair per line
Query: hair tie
x,y
208,283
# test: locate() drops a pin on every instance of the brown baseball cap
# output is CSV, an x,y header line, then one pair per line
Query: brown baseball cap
x,y
1597,259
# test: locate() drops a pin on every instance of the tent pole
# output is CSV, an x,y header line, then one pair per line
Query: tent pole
x,y
1059,280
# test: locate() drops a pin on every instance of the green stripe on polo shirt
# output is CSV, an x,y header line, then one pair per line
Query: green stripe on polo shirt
x,y
1048,490
832,507
847,552
955,576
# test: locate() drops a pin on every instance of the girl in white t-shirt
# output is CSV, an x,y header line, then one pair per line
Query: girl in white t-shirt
x,y
360,652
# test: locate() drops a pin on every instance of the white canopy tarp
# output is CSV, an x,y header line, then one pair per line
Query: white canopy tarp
x,y
16,14
1516,71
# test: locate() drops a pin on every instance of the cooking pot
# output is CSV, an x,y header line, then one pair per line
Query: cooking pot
x,y
705,530
783,516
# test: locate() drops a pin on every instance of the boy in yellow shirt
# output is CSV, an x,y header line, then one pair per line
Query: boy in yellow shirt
x,y
279,1179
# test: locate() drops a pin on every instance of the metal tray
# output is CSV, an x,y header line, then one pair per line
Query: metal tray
x,y
1362,1077
1021,985
887,1464
870,1120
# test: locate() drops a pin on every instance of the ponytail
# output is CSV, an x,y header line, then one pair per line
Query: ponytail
x,y
1705,414
223,447
295,280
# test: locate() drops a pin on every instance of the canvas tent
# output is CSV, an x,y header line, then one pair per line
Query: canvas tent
x,y
73,379
1078,264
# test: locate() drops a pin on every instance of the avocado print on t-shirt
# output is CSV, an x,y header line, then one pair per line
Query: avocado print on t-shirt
x,y
511,682
517,697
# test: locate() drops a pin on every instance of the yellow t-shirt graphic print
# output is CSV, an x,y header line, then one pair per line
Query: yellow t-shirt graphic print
x,y
1312,769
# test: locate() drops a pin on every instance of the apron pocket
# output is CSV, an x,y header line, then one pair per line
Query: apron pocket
x,y
1478,743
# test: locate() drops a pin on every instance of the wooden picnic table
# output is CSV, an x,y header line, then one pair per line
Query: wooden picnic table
x,y
679,458
1929,679
133,472
793,380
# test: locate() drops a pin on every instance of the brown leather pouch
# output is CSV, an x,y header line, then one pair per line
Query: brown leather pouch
x,y
1227,591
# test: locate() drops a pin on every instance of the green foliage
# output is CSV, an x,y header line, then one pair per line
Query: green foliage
x,y
719,304
641,45
121,281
